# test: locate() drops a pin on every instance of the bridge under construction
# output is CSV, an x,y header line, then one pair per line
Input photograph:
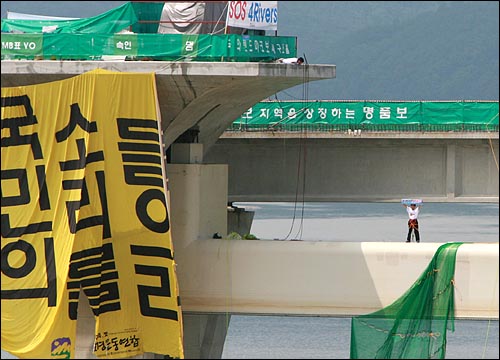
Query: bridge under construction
x,y
208,167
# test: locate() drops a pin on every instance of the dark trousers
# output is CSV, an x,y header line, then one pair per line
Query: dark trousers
x,y
413,226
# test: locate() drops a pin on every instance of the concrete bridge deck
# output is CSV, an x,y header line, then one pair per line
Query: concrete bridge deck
x,y
361,167
206,95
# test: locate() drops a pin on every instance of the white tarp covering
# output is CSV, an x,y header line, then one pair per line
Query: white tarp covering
x,y
182,18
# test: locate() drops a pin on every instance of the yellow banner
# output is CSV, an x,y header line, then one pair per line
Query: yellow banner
x,y
84,215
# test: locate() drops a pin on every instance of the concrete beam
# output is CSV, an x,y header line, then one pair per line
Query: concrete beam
x,y
362,169
208,95
325,278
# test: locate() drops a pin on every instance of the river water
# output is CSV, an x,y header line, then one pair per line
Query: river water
x,y
309,337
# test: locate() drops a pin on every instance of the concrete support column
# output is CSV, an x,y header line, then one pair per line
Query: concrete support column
x,y
198,202
198,211
186,153
451,172
204,335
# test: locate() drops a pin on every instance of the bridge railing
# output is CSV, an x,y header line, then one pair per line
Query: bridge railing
x,y
239,127
372,115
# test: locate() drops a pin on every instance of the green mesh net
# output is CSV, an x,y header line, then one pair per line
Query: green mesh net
x,y
414,326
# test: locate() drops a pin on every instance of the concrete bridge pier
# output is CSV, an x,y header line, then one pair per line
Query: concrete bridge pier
x,y
198,210
204,335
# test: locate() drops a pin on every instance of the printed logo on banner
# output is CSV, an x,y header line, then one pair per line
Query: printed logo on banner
x,y
61,348
117,343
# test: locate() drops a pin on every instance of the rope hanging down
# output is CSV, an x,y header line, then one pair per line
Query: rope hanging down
x,y
302,162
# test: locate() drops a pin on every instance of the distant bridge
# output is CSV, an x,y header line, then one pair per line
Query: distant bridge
x,y
319,150
361,166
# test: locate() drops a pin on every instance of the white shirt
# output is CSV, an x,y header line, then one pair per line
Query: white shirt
x,y
413,214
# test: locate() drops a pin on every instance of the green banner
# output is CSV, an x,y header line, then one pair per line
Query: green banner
x,y
27,45
375,115
169,47
261,46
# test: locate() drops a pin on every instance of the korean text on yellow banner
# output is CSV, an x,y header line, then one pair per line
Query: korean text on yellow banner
x,y
84,212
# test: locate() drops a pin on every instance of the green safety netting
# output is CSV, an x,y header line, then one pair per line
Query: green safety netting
x,y
129,32
142,17
415,325
370,115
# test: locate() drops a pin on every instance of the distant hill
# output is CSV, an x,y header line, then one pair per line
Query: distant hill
x,y
400,50
383,50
